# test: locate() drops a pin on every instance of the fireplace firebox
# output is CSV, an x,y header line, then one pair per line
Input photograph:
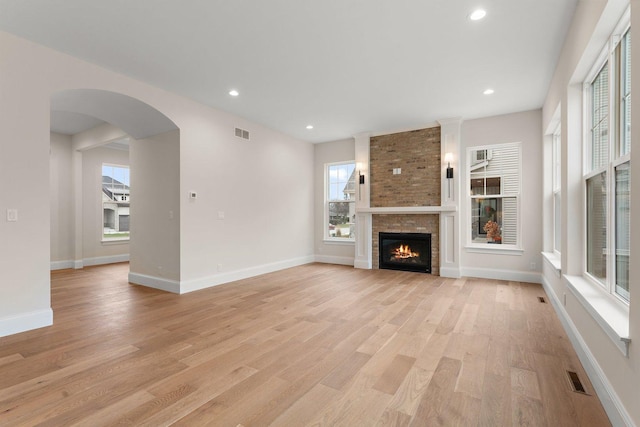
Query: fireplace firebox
x,y
405,251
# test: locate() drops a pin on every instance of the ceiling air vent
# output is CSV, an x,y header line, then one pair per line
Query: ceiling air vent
x,y
241,133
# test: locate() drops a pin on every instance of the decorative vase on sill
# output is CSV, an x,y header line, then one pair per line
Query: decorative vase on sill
x,y
493,232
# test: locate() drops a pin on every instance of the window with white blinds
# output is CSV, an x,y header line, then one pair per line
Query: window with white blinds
x,y
557,194
608,167
494,182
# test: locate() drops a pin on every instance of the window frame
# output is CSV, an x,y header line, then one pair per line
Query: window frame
x,y
325,224
556,189
612,57
103,239
487,247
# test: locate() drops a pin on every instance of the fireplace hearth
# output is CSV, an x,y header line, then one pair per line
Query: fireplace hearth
x,y
405,251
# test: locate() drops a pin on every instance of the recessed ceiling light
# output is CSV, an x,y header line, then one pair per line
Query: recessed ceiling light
x,y
477,14
234,92
488,92
309,127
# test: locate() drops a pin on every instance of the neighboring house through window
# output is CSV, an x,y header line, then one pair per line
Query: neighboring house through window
x,y
115,202
607,168
340,187
494,183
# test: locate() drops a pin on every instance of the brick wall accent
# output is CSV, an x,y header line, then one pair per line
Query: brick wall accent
x,y
417,153
408,224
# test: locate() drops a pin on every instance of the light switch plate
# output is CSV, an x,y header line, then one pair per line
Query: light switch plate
x,y
12,215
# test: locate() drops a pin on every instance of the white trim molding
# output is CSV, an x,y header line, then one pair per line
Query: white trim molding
x,y
113,259
510,275
328,259
232,276
25,322
610,314
612,404
155,282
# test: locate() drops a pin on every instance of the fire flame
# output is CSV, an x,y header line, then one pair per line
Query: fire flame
x,y
404,252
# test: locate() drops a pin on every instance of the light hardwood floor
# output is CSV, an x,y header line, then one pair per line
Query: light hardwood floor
x,y
312,345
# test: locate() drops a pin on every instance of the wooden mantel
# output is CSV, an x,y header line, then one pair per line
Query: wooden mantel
x,y
408,210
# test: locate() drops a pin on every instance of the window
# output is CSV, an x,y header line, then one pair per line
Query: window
x,y
340,201
557,199
494,183
115,202
607,169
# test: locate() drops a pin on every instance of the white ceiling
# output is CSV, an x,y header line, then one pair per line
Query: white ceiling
x,y
344,66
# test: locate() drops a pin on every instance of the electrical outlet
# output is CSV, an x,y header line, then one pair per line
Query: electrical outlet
x,y
220,214
219,267
532,266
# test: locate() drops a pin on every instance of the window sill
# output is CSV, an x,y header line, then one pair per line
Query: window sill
x,y
494,249
612,315
554,261
115,241
339,242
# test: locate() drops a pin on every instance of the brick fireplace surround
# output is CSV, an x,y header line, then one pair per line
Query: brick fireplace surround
x,y
417,153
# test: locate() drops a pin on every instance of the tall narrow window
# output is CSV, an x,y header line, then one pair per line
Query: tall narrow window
x,y
115,202
557,199
608,168
340,201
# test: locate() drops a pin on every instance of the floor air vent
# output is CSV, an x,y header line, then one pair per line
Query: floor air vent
x,y
542,300
576,384
241,133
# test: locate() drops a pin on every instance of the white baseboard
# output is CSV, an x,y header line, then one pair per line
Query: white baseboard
x,y
614,408
511,275
155,282
365,265
105,260
60,265
452,272
232,276
328,259
25,322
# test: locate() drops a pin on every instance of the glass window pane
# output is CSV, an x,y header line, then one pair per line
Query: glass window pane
x,y
115,202
600,119
341,182
623,220
341,219
625,89
494,220
597,227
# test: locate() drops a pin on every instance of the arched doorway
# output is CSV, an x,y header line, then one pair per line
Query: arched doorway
x,y
95,121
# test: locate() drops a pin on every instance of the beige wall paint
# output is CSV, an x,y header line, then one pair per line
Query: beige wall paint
x,y
330,152
522,127
61,198
155,206
92,223
264,186
616,374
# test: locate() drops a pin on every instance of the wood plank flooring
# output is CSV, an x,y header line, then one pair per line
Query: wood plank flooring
x,y
313,345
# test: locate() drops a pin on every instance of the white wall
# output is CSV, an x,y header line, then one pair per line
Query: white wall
x,y
61,197
66,192
263,186
155,206
93,249
614,375
524,127
330,152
